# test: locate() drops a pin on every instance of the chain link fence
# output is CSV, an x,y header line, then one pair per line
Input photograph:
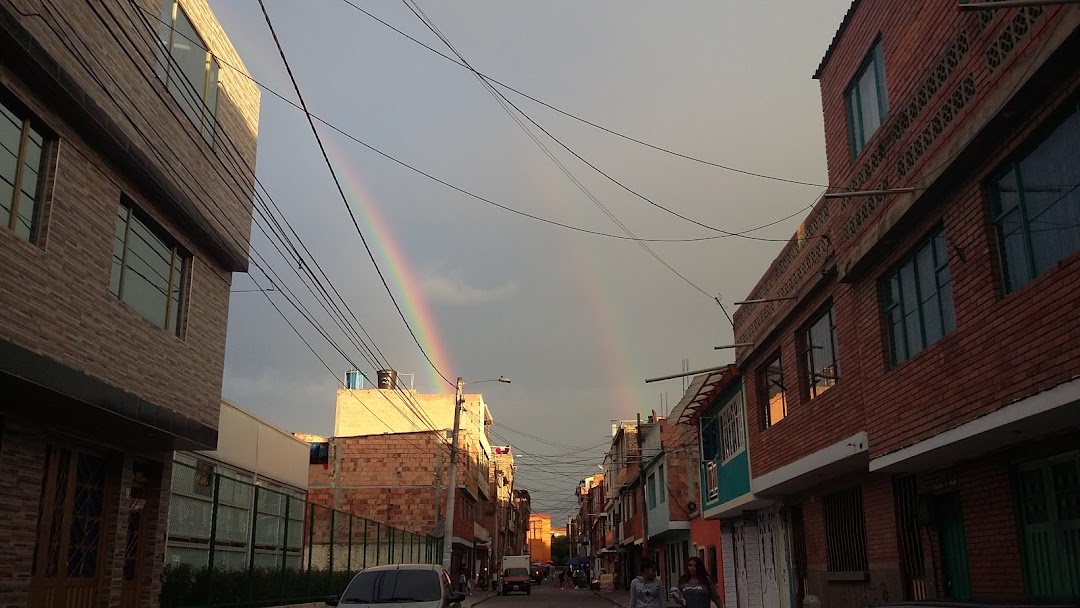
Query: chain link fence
x,y
233,544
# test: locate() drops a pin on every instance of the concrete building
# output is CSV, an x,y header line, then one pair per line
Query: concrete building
x,y
914,404
540,537
252,453
665,449
125,208
501,513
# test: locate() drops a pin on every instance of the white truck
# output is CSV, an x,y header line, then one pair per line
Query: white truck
x,y
514,574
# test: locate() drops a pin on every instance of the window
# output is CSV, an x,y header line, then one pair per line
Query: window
x,y
712,482
1036,205
148,272
732,438
822,359
774,403
866,101
845,531
188,69
710,438
917,296
395,586
663,484
22,158
652,490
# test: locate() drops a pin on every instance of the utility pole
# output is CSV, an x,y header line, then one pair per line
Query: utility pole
x,y
644,490
451,484
498,507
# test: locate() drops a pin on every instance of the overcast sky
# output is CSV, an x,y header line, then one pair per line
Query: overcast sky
x,y
577,321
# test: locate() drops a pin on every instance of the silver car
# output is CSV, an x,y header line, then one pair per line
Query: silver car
x,y
404,585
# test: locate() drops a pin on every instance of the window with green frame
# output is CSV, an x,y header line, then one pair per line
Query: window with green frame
x,y
917,299
1035,204
866,101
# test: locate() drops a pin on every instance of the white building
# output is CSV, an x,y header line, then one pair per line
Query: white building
x,y
256,466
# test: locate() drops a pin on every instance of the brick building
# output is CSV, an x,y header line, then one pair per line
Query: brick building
x,y
912,400
125,208
501,514
623,501
389,462
590,521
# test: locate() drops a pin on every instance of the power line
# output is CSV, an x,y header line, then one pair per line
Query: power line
x,y
578,118
503,101
464,191
341,192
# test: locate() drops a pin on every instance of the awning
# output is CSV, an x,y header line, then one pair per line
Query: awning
x,y
701,392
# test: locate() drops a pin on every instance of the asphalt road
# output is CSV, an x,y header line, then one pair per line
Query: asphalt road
x,y
543,596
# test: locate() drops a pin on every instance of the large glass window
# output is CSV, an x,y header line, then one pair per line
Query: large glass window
x,y
866,101
662,483
821,358
22,157
148,272
774,402
1036,205
918,301
188,69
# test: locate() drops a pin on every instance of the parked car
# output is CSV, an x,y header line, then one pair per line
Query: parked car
x,y
515,579
403,585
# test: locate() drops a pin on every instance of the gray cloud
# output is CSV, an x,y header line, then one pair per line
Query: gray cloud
x,y
448,287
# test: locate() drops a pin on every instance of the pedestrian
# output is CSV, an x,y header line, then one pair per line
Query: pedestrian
x,y
562,579
696,587
463,583
645,590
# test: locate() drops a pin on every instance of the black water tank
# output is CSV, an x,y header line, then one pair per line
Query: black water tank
x,y
387,379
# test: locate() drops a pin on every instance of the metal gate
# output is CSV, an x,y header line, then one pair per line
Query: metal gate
x,y
742,583
775,575
1049,503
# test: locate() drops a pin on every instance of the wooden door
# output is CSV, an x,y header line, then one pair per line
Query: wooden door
x,y
68,557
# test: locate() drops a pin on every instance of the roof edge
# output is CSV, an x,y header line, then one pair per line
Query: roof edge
x,y
836,38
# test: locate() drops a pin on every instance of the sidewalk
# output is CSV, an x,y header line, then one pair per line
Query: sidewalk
x,y
622,598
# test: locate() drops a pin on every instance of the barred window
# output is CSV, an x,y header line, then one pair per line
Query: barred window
x,y
845,531
732,438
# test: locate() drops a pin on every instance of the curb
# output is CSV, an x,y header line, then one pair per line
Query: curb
x,y
482,600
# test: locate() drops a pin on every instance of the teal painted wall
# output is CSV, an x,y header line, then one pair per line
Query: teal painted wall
x,y
733,477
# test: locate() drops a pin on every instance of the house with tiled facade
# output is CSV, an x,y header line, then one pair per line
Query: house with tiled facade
x,y
126,172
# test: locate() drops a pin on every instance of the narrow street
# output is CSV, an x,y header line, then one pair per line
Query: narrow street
x,y
543,596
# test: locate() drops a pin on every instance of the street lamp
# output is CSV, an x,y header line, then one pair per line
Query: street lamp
x,y
451,490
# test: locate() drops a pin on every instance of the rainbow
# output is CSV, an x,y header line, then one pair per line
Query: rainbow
x,y
622,376
395,265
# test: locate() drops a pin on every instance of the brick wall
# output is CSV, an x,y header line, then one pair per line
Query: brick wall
x,y
990,524
396,479
678,440
58,303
